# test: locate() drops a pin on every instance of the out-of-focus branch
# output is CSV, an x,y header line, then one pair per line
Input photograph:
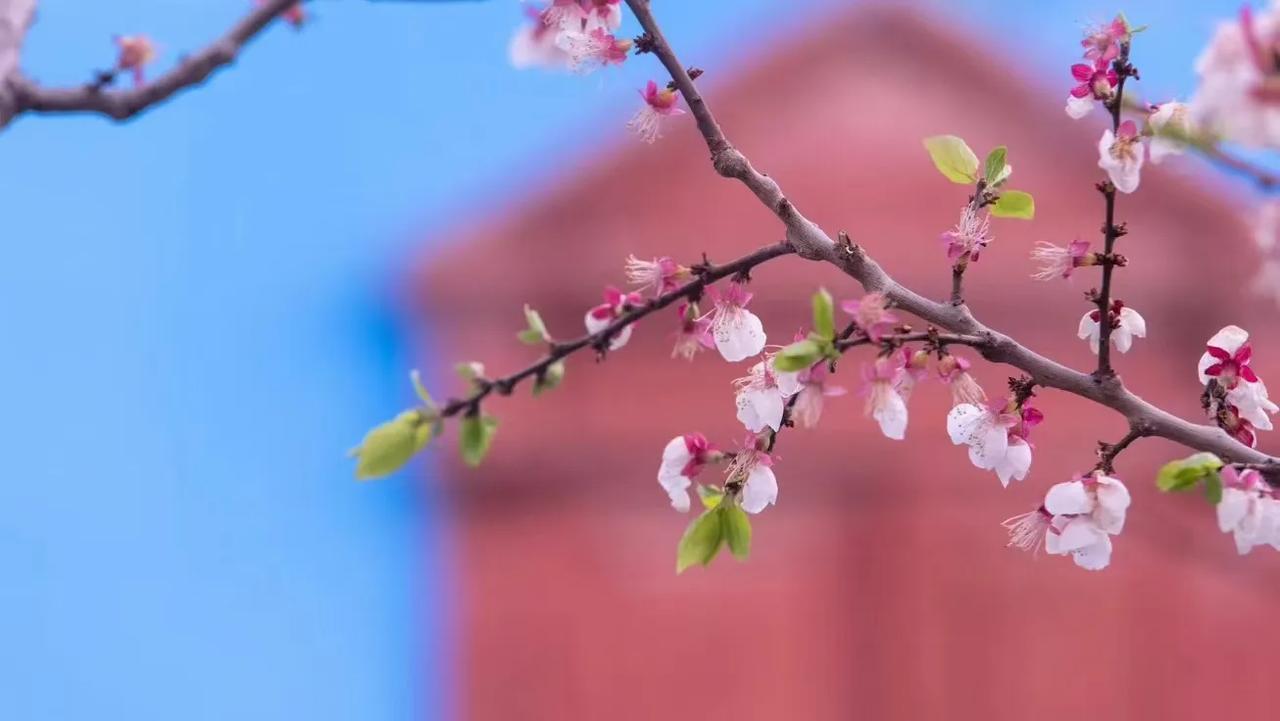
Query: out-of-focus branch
x,y
813,243
20,95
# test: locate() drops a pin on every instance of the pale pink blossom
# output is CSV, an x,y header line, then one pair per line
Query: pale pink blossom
x,y
871,314
1240,80
1058,262
1121,155
565,16
1227,359
1095,83
814,390
1102,43
682,459
615,304
737,332
1086,512
954,371
997,436
602,14
1126,324
656,276
534,43
594,49
762,395
970,236
915,368
1248,510
1027,530
694,334
752,466
1170,125
136,51
884,403
658,104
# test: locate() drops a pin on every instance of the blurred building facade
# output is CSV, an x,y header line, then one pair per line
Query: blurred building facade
x,y
879,586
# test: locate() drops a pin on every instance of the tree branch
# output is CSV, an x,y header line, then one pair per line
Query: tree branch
x,y
1109,229
812,243
24,95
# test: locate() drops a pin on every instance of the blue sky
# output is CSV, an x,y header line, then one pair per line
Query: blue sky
x,y
200,314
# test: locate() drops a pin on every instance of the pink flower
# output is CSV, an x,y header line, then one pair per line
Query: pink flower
x,y
615,304
535,42
1086,511
656,276
136,51
738,333
694,334
1126,324
1121,155
1226,359
752,467
814,389
1237,426
565,16
1170,125
1102,44
602,14
871,314
1240,80
954,371
658,104
682,459
971,234
1027,531
1248,510
1058,262
884,402
996,434
762,396
915,368
595,49
1096,82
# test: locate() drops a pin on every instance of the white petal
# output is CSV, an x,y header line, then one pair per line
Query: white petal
x,y
1095,556
760,407
977,428
961,421
1162,147
1113,501
788,382
1121,339
1133,321
1089,330
892,416
676,453
595,325
1015,464
1253,403
760,490
676,485
739,334
1068,498
1229,338
1232,508
1079,532
1079,107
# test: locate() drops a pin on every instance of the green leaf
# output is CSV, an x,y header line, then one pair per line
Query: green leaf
x,y
710,495
387,447
1184,474
474,438
824,314
469,371
1014,204
993,167
798,356
1213,488
953,158
737,530
536,333
416,379
550,379
701,540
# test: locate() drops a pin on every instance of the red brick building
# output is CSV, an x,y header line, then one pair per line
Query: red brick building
x,y
879,586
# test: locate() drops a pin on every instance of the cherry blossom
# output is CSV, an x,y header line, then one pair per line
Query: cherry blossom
x,y
762,395
682,459
915,368
136,51
1102,44
1170,125
1027,531
954,371
1127,324
658,104
1226,360
595,49
996,434
738,333
752,467
1240,80
1058,262
602,14
694,334
615,304
656,276
871,314
1121,155
535,43
565,16
1097,82
1248,510
969,237
814,390
1086,512
884,403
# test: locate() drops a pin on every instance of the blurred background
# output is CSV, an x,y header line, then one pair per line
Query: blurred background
x,y
208,305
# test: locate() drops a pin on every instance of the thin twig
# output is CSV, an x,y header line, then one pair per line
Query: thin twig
x,y
1109,229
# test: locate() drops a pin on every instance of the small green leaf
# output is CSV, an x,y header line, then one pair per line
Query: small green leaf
x,y
824,314
1213,488
1014,204
1184,474
737,530
387,447
993,167
701,540
798,356
416,379
710,495
549,379
475,436
536,332
953,158
469,371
